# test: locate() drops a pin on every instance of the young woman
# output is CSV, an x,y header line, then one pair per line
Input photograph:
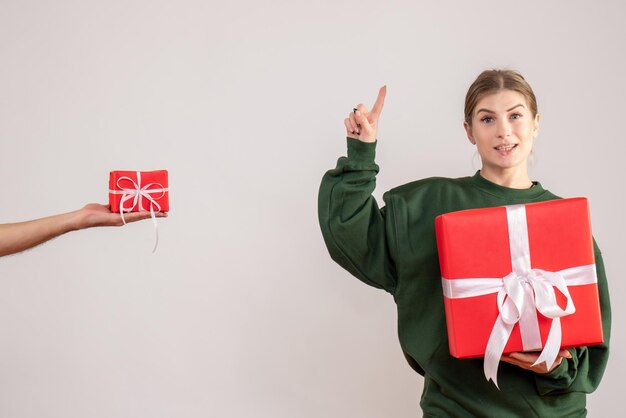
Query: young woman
x,y
394,248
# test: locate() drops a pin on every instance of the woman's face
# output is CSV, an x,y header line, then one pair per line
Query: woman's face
x,y
503,130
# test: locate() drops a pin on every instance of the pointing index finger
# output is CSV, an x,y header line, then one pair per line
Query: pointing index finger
x,y
380,100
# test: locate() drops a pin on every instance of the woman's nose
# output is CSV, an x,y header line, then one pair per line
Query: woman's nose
x,y
504,129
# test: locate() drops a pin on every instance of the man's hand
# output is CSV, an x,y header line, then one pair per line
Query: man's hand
x,y
95,214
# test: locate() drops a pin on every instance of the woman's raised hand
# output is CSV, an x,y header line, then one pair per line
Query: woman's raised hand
x,y
362,124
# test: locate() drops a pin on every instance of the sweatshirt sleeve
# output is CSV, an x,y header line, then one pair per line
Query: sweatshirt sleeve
x,y
359,236
583,372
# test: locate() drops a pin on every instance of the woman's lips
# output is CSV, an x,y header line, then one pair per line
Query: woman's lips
x,y
505,149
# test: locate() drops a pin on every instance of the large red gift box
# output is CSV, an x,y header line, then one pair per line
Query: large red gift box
x,y
135,191
499,265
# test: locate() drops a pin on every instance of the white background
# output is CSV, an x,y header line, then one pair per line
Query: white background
x,y
241,312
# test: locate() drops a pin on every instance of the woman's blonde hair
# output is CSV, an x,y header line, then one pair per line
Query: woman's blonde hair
x,y
492,81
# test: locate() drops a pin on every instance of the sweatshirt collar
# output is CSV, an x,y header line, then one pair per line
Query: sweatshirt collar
x,y
507,192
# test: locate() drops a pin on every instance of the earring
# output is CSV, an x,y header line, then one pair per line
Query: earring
x,y
474,159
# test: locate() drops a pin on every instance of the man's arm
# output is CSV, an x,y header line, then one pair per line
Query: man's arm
x,y
20,236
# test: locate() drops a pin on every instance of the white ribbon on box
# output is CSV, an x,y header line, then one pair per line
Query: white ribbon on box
x,y
521,294
135,194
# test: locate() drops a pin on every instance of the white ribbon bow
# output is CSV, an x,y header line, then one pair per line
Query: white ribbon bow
x,y
136,193
517,303
521,294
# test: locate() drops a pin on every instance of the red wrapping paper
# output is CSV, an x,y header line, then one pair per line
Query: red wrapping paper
x,y
475,244
153,183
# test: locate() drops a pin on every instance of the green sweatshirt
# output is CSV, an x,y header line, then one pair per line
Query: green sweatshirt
x,y
394,248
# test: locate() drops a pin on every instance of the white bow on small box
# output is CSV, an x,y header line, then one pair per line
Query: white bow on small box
x,y
136,191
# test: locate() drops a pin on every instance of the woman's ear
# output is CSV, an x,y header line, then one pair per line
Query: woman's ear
x,y
468,130
536,125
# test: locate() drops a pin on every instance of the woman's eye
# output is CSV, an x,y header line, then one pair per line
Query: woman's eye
x,y
516,115
487,119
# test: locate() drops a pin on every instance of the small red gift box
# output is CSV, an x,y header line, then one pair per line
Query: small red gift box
x,y
519,278
135,191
